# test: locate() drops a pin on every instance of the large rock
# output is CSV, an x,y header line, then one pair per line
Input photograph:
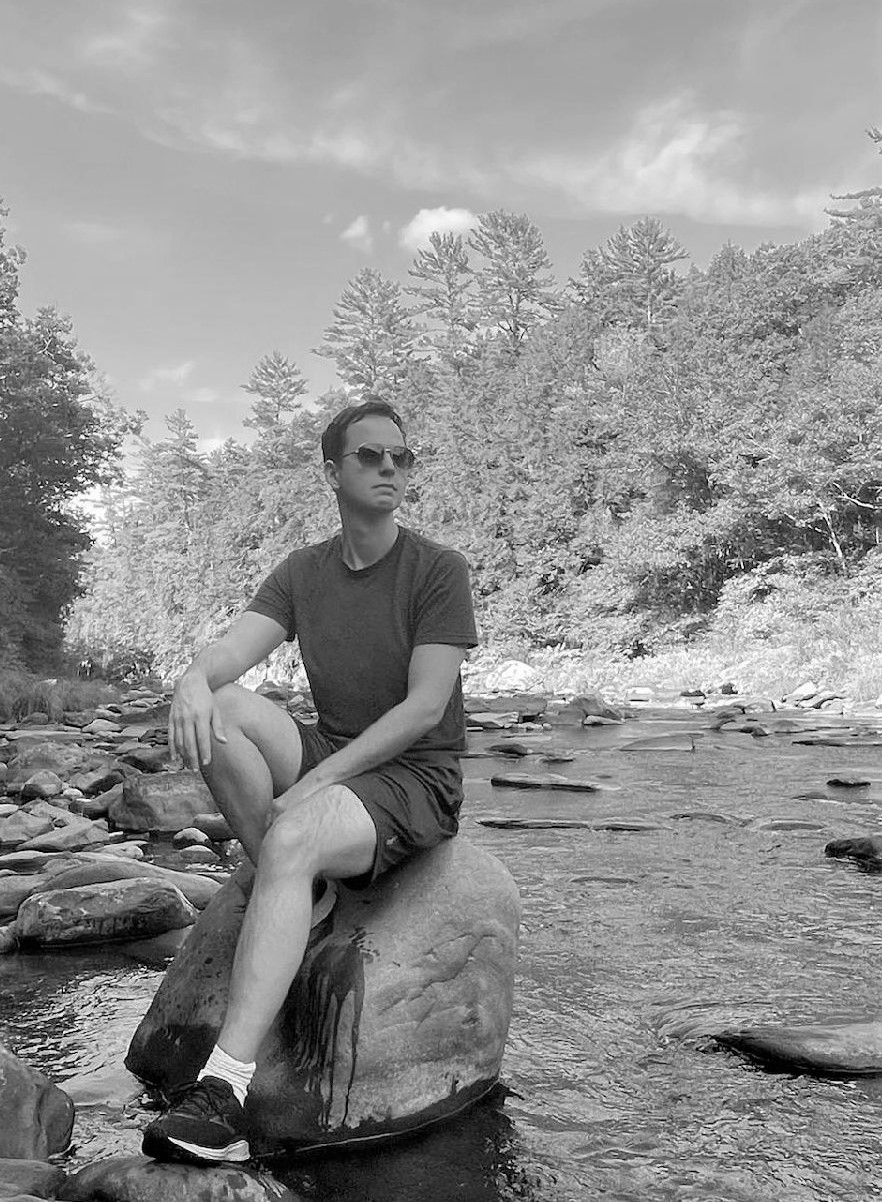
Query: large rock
x,y
136,909
36,1117
21,827
137,1179
397,1018
162,801
840,1050
29,1178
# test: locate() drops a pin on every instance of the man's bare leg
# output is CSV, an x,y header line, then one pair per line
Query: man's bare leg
x,y
260,759
330,834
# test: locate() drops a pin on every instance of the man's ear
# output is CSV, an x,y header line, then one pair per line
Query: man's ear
x,y
332,473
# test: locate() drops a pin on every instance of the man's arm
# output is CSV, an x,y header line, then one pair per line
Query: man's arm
x,y
432,673
193,718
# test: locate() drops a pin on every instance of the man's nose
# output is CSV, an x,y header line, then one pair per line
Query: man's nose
x,y
387,464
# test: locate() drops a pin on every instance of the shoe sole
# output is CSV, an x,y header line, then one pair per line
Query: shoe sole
x,y
163,1147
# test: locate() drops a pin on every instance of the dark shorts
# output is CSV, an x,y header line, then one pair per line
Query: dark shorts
x,y
413,805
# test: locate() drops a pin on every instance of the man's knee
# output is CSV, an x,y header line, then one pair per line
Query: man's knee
x,y
329,834
266,727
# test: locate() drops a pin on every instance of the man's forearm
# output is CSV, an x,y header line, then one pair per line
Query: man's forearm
x,y
397,730
218,664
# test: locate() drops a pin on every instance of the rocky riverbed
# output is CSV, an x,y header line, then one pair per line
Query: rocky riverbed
x,y
103,839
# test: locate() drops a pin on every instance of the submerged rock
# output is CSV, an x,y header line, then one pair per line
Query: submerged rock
x,y
397,1018
36,1117
867,852
139,1179
846,1050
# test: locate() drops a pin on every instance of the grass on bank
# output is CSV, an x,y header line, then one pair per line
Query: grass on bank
x,y
22,693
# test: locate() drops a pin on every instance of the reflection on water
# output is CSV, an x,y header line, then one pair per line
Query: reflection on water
x,y
634,947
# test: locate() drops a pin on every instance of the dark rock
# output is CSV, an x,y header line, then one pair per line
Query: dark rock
x,y
43,784
164,801
100,805
510,748
866,851
115,910
98,780
147,759
397,1018
29,1178
215,826
536,824
526,706
139,1179
847,1050
36,1117
548,781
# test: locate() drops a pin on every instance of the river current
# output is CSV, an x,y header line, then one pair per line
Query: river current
x,y
635,946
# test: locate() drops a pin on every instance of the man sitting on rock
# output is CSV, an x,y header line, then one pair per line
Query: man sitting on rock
x,y
384,618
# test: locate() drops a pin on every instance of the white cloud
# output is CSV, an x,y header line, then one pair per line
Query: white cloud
x,y
201,396
358,234
129,44
42,83
434,221
159,377
673,160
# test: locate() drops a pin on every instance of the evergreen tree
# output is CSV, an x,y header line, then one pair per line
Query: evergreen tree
x,y
371,338
516,290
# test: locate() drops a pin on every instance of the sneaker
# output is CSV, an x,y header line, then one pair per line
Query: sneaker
x,y
205,1125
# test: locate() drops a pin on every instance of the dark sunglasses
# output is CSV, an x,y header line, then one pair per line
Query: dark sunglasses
x,y
371,454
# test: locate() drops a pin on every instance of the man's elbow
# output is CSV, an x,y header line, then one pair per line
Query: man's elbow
x,y
428,712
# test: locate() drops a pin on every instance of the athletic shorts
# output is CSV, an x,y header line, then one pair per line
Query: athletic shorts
x,y
413,805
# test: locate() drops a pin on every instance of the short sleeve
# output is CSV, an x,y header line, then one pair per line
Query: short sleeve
x,y
274,599
444,611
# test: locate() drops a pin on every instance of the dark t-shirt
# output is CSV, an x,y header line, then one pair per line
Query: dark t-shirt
x,y
357,629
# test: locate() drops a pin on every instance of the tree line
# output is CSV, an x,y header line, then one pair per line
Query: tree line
x,y
613,453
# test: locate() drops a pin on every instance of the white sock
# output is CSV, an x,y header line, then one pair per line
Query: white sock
x,y
228,1068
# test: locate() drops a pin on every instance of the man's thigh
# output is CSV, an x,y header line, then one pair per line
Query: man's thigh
x,y
269,728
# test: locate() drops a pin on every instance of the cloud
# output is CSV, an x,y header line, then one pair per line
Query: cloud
x,y
442,220
37,82
674,159
358,234
127,45
201,396
159,377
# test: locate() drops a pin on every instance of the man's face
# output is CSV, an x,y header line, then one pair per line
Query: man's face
x,y
375,488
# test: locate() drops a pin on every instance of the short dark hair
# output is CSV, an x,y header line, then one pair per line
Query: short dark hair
x,y
334,436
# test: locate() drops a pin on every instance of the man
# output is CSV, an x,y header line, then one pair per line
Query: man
x,y
384,618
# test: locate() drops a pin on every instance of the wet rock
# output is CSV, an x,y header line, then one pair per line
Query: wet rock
x,y
195,854
536,824
215,826
847,780
593,705
165,801
788,824
36,1117
552,781
128,909
190,835
8,939
867,851
26,1179
147,759
847,1050
678,742
397,1018
89,868
510,747
139,1179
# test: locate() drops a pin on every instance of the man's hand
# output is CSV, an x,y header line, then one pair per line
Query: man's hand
x,y
193,720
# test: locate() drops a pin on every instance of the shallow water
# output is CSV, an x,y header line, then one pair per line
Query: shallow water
x,y
634,945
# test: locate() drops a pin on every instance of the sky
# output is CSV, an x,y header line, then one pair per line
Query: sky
x,y
196,181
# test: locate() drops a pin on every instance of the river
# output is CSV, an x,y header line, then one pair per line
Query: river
x,y
634,946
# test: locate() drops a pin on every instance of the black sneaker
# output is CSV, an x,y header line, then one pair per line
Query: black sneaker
x,y
205,1125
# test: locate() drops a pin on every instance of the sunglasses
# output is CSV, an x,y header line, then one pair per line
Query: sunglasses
x,y
371,454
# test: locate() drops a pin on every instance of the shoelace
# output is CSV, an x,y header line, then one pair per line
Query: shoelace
x,y
203,1098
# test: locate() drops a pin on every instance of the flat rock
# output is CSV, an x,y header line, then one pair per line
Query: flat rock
x,y
552,781
536,824
397,1018
114,910
76,835
36,1117
867,851
139,1179
162,801
678,742
847,1050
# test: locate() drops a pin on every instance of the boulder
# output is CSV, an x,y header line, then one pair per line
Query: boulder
x,y
139,1179
29,1178
42,784
90,868
36,1117
127,909
162,801
397,1018
21,827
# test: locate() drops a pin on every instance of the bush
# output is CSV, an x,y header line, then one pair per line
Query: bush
x,y
22,693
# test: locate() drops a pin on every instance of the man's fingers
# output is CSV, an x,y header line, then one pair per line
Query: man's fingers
x,y
217,727
203,741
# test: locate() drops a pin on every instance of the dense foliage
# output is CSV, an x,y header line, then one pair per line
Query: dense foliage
x,y
622,458
59,437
